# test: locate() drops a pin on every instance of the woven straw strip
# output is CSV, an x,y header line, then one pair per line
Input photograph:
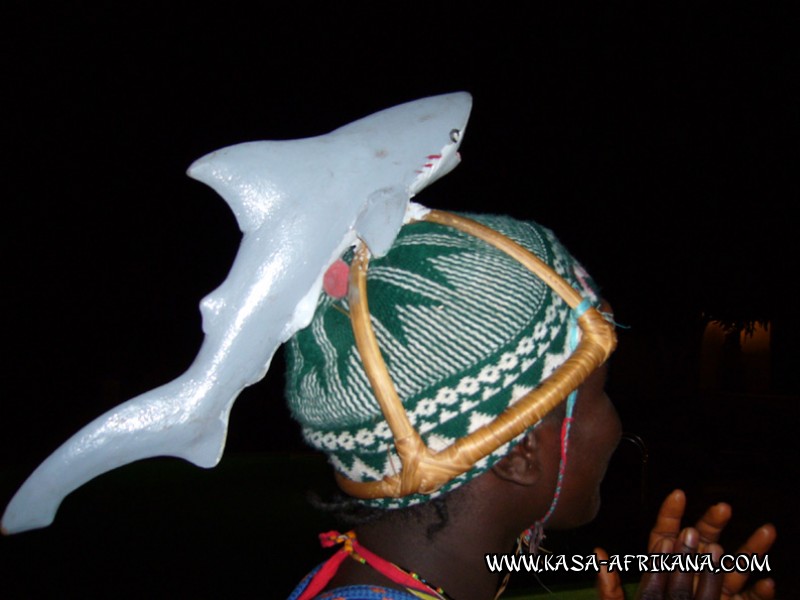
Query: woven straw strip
x,y
424,471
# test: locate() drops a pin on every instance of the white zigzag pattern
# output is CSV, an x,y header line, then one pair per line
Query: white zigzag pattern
x,y
485,302
422,357
448,354
433,406
402,360
435,239
360,471
411,282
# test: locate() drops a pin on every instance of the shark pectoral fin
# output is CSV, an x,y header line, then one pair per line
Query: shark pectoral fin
x,y
205,448
381,219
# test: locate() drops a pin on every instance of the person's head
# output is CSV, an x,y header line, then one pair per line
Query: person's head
x,y
468,334
527,477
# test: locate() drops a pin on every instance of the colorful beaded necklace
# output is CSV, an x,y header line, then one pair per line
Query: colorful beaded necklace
x,y
350,547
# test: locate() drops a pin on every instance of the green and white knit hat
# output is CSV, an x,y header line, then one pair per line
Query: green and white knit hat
x,y
465,331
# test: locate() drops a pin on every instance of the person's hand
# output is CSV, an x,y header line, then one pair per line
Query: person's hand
x,y
667,537
609,586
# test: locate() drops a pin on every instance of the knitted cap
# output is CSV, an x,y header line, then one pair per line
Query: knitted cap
x,y
465,331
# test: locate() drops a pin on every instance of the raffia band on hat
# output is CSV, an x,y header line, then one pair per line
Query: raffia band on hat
x,y
425,470
463,352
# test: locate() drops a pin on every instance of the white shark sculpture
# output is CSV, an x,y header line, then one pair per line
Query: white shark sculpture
x,y
300,204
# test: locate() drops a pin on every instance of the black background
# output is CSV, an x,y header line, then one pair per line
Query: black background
x,y
656,142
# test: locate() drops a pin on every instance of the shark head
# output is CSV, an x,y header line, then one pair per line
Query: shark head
x,y
441,163
401,149
422,135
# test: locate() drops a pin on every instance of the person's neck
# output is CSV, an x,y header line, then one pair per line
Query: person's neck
x,y
452,558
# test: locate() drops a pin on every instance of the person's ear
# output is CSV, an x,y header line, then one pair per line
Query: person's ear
x,y
520,465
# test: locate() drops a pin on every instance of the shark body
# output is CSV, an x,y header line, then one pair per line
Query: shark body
x,y
300,204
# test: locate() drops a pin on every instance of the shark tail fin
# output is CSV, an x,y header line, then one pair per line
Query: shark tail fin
x,y
156,423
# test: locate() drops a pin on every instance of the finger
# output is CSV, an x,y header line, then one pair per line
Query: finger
x,y
654,583
712,523
761,540
680,583
709,583
609,586
668,522
758,543
764,589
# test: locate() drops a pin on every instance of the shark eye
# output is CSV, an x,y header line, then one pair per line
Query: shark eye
x,y
455,135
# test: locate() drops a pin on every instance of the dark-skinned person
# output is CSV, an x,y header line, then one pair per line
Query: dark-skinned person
x,y
457,387
667,537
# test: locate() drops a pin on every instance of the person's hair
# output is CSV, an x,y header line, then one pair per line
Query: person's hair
x,y
351,512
